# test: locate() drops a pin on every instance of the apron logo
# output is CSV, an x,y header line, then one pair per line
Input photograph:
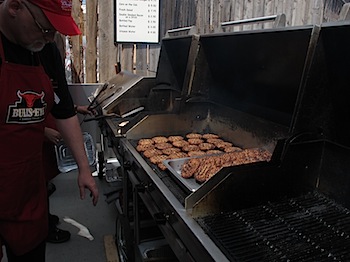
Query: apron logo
x,y
30,108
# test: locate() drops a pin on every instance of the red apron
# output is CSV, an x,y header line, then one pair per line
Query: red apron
x,y
26,96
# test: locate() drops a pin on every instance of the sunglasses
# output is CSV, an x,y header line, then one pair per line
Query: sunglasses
x,y
44,31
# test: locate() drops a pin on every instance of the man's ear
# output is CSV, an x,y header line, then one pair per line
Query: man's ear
x,y
14,6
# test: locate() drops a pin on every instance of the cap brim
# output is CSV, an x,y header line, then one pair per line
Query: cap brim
x,y
63,24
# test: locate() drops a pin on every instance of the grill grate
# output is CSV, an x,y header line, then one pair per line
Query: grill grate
x,y
307,228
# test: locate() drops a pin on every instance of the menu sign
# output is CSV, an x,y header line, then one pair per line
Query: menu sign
x,y
137,21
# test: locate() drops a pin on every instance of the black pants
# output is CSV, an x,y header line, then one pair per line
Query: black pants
x,y
37,254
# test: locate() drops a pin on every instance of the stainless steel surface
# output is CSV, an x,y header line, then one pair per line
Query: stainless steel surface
x,y
179,219
65,159
174,166
197,118
110,99
209,119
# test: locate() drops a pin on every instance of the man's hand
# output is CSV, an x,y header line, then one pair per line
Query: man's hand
x,y
72,136
84,110
52,135
86,180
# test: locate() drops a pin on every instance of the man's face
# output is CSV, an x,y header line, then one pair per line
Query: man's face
x,y
39,31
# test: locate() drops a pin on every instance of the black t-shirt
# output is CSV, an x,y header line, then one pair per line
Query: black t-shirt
x,y
51,60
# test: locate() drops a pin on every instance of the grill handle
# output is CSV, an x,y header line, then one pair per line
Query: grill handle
x,y
189,30
280,20
301,137
97,118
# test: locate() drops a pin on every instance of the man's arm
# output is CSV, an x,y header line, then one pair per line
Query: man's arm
x,y
72,136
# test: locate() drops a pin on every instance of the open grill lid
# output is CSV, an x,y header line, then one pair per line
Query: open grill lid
x,y
136,91
124,92
324,104
175,62
257,72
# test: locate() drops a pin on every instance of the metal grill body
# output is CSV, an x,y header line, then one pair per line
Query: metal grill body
x,y
284,90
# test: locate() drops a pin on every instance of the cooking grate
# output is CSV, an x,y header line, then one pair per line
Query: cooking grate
x,y
307,228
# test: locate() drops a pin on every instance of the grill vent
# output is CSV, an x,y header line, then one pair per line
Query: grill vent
x,y
307,228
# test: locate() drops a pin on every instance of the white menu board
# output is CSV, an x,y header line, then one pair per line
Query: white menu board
x,y
137,21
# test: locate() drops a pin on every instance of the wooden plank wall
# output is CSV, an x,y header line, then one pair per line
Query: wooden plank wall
x,y
102,54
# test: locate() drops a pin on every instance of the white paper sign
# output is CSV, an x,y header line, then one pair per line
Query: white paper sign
x,y
137,21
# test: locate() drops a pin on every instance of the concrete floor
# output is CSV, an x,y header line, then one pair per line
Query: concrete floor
x,y
99,219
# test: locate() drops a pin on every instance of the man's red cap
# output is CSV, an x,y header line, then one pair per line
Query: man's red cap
x,y
58,12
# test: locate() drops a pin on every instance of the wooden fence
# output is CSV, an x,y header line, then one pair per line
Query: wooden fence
x,y
100,54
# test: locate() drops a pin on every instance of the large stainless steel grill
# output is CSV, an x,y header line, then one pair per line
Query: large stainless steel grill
x,y
281,90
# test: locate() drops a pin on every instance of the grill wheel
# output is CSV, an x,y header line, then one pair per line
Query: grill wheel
x,y
123,240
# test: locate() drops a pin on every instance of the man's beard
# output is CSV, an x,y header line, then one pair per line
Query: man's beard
x,y
36,46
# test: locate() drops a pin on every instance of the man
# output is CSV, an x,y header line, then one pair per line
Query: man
x,y
26,97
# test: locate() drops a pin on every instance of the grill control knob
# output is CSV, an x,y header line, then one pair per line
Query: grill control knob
x,y
140,188
127,165
160,218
